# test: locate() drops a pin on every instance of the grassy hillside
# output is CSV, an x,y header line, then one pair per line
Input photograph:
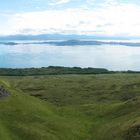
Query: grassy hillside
x,y
71,107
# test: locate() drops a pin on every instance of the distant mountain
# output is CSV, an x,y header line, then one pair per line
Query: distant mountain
x,y
75,43
64,37
90,42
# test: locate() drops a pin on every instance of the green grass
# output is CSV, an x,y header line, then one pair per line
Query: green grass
x,y
71,107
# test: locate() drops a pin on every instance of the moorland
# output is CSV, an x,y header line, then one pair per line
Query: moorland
x,y
69,105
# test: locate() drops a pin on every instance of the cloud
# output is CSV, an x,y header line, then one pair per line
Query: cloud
x,y
58,2
111,20
102,3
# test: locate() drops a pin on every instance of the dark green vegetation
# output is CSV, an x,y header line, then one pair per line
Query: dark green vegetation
x,y
71,107
57,70
51,70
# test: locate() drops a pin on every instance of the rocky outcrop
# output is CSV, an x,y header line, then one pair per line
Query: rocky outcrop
x,y
4,92
133,133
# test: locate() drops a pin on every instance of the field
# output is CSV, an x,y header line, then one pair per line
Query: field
x,y
71,107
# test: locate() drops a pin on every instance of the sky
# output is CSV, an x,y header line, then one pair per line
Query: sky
x,y
89,17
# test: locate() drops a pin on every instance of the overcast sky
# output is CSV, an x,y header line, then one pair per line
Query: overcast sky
x,y
92,17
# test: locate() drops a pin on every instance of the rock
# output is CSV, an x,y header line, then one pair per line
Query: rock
x,y
4,92
133,133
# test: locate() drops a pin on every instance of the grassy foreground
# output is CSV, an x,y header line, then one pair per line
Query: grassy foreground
x,y
71,107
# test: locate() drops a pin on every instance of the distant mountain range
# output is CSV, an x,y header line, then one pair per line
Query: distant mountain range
x,y
68,40
73,43
64,37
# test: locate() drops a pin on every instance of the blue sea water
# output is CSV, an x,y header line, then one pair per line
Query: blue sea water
x,y
112,57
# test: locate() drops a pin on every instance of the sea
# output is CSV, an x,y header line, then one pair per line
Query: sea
x,y
109,56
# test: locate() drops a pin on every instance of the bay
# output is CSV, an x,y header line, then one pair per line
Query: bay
x,y
112,57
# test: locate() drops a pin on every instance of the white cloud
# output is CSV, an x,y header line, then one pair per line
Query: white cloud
x,y
111,20
102,3
57,2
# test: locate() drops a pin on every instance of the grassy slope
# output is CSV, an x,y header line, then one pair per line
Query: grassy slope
x,y
24,117
87,107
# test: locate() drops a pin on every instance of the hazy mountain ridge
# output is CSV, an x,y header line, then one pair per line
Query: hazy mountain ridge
x,y
74,43
65,37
